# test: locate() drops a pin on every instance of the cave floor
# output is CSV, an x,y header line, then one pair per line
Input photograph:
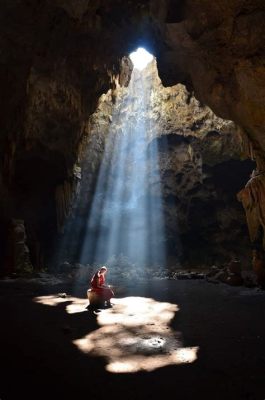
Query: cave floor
x,y
45,342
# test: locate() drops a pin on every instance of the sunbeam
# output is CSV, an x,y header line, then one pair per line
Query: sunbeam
x,y
126,216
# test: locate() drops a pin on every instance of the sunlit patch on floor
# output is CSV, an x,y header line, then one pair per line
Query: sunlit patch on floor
x,y
133,364
135,335
76,305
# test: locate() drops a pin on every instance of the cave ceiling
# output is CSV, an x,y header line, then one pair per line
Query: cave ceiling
x,y
59,56
66,53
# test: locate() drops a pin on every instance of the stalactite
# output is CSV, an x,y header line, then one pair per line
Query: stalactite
x,y
246,144
252,196
17,257
65,196
253,200
67,192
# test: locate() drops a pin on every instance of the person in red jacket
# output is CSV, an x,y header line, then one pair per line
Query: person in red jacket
x,y
99,291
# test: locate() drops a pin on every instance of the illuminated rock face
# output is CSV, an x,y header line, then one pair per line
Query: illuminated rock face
x,y
60,56
200,167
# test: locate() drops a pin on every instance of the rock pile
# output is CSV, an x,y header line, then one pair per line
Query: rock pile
x,y
231,274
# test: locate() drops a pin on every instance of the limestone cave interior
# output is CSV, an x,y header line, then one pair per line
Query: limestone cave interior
x,y
153,168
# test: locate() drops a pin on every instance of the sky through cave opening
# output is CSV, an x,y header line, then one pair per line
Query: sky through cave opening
x,y
141,58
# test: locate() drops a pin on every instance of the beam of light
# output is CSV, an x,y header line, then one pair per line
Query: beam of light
x,y
126,215
141,58
133,336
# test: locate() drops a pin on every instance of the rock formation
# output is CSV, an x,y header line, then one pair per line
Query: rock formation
x,y
200,168
58,57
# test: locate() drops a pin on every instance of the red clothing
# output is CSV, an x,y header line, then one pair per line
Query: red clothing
x,y
104,293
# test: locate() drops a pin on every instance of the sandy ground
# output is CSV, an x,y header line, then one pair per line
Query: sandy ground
x,y
164,338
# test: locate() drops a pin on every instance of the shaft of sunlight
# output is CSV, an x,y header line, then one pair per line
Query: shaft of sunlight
x,y
126,215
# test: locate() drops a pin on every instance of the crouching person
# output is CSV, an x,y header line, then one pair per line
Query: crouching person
x,y
99,293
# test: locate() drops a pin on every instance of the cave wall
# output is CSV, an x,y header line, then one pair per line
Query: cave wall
x,y
200,168
225,42
58,57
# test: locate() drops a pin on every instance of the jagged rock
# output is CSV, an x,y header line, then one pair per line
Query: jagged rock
x,y
62,295
61,69
18,259
234,280
258,264
194,149
213,271
188,275
222,276
234,267
225,274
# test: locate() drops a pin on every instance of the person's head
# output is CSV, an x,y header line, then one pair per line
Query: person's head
x,y
103,270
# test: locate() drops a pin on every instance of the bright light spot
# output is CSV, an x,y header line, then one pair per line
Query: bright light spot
x,y
74,305
135,335
136,363
141,58
52,300
136,311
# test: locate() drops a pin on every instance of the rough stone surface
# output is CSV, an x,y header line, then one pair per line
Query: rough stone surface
x,y
58,57
200,168
17,256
